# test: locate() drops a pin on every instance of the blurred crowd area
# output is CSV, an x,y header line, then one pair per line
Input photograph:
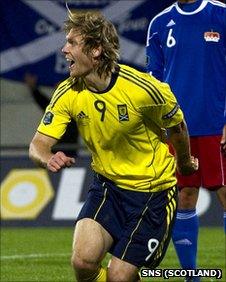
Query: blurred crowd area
x,y
20,109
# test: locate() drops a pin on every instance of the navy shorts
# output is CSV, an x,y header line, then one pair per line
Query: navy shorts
x,y
140,223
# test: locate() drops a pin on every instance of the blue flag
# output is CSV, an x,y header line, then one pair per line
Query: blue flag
x,y
32,36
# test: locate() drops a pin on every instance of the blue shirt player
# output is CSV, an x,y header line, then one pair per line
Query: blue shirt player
x,y
186,47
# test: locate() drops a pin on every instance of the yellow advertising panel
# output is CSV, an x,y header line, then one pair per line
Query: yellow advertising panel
x,y
25,193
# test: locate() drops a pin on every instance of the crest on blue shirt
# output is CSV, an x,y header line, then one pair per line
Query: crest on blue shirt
x,y
212,36
123,113
48,118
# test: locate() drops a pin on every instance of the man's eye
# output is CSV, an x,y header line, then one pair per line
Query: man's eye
x,y
71,42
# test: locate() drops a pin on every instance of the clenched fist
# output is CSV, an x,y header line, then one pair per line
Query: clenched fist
x,y
59,161
189,167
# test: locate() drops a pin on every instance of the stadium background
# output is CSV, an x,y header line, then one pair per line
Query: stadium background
x,y
31,40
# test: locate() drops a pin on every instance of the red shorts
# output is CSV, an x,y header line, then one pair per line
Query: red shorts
x,y
212,164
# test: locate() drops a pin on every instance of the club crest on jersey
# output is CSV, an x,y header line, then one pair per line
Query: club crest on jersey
x,y
212,36
123,112
48,118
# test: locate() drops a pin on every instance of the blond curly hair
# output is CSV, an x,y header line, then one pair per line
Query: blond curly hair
x,y
96,31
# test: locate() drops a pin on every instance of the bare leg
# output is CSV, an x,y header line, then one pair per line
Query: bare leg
x,y
221,193
121,271
188,197
90,244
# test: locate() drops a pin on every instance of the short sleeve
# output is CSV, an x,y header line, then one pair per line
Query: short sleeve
x,y
56,117
166,113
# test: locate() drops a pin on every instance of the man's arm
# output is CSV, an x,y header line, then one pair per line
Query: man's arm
x,y
179,138
40,152
223,141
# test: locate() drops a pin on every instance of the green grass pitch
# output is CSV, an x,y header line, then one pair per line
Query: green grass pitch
x,y
43,254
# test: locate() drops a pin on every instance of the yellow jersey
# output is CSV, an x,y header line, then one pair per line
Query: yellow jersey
x,y
121,126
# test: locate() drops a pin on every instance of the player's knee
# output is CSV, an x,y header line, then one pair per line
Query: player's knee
x,y
221,193
76,262
188,198
81,264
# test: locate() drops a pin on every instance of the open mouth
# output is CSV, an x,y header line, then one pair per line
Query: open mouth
x,y
71,63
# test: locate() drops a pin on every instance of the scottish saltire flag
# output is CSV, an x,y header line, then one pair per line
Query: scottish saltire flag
x,y
31,35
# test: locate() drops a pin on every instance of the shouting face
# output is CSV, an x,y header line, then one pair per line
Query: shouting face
x,y
81,64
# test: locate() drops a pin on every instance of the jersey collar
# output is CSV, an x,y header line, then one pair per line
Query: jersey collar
x,y
201,7
114,77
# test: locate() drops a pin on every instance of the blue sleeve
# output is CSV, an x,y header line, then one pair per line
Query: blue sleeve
x,y
154,53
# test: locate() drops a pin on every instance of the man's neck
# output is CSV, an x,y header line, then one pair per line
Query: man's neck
x,y
189,5
186,1
96,83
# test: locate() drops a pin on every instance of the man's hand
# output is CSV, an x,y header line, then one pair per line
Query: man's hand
x,y
59,161
189,167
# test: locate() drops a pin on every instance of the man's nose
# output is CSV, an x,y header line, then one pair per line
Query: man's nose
x,y
64,49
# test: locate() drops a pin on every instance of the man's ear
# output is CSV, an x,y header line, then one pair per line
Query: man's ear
x,y
97,52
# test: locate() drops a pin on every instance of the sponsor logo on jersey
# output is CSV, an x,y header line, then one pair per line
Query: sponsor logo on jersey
x,y
82,115
83,119
170,23
212,36
123,112
48,118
